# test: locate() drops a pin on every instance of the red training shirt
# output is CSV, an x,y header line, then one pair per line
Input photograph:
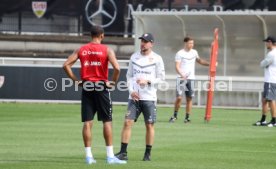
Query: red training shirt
x,y
94,62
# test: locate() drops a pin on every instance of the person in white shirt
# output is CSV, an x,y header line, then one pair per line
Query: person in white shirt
x,y
269,93
185,67
145,72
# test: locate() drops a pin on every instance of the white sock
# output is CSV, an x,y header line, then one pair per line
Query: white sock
x,y
109,151
88,152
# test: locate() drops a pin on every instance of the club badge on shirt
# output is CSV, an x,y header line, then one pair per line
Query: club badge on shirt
x,y
150,59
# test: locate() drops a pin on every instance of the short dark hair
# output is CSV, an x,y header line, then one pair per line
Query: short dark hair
x,y
96,31
187,39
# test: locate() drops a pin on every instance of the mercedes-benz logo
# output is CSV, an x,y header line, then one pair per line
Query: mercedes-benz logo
x,y
92,11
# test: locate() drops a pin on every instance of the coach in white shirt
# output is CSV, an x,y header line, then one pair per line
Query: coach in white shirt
x,y
145,71
269,93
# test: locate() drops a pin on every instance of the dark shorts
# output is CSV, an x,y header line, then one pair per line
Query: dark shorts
x,y
269,92
186,86
96,101
135,108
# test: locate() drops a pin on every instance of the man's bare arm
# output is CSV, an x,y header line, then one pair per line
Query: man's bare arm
x,y
202,62
67,66
113,61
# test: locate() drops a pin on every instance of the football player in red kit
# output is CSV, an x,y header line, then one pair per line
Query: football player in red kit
x,y
94,58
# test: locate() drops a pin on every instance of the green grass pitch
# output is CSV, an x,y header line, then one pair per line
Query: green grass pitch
x,y
48,136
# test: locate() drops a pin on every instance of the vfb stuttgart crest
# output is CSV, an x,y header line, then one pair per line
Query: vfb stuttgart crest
x,y
39,8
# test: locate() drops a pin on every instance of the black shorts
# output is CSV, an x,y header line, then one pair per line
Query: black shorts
x,y
269,92
96,101
135,108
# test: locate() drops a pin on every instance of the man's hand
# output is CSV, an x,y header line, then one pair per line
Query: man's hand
x,y
185,76
142,82
135,96
79,83
110,84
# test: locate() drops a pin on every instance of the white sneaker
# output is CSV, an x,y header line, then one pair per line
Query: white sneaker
x,y
90,160
115,160
259,123
271,125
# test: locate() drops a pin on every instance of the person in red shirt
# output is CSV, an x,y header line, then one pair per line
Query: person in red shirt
x,y
94,58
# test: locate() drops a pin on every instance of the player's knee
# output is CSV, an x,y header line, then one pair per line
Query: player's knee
x,y
128,123
179,98
149,126
189,98
87,125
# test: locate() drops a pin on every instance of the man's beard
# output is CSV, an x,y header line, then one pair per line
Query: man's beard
x,y
144,50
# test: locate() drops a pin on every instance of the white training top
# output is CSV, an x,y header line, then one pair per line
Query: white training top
x,y
269,65
187,59
150,67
